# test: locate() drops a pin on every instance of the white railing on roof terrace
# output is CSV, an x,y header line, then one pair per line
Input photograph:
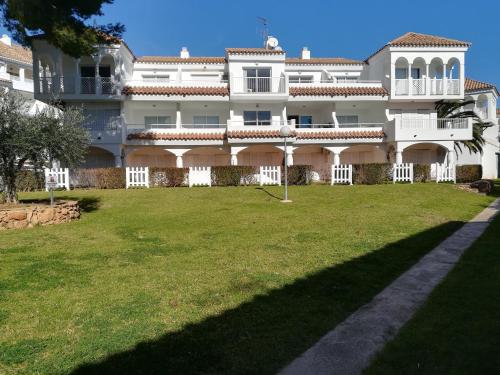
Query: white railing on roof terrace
x,y
402,86
434,124
424,86
166,82
258,85
418,86
436,86
453,87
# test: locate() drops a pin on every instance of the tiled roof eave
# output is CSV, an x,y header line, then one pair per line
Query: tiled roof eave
x,y
350,134
157,136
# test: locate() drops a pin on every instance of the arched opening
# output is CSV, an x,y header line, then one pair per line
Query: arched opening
x,y
401,76
425,153
418,71
46,69
482,106
471,106
453,75
87,75
363,154
206,157
261,155
317,157
150,157
98,158
436,74
106,74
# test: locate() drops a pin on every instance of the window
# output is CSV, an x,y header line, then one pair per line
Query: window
x,y
101,119
401,73
155,122
301,79
415,73
347,121
301,121
258,80
206,121
257,117
155,77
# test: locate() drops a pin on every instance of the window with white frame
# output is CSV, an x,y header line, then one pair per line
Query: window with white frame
x,y
158,122
206,121
300,79
347,121
257,118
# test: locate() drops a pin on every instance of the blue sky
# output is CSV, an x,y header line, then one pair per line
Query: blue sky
x,y
351,29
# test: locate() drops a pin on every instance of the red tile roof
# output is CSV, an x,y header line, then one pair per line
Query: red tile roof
x,y
180,60
338,91
255,134
323,61
350,134
16,52
176,136
412,39
474,85
176,91
253,51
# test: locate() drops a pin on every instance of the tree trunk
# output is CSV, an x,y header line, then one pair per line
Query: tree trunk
x,y
9,189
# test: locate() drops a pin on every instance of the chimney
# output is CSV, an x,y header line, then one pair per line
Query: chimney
x,y
184,53
305,54
5,39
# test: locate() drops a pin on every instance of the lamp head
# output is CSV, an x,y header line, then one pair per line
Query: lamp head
x,y
285,131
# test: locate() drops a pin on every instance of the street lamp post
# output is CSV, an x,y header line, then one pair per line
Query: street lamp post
x,y
285,132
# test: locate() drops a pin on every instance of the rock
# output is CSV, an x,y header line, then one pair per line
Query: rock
x,y
483,186
16,215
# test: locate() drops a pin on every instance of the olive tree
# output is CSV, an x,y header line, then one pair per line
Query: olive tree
x,y
37,140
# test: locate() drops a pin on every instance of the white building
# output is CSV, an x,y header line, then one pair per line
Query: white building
x,y
200,111
16,70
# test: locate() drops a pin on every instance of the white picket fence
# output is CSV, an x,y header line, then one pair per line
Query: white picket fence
x,y
137,177
58,175
342,174
402,173
445,173
200,176
270,175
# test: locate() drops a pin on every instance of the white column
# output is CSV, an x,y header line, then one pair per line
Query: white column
x,y
451,157
399,157
289,155
178,117
393,79
234,159
21,74
427,80
445,81
78,80
462,80
118,161
284,115
178,161
410,80
97,78
336,158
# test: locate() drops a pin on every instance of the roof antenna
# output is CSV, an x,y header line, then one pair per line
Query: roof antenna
x,y
265,29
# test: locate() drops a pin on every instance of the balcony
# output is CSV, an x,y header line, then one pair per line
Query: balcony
x,y
166,82
338,82
419,129
426,86
71,85
261,88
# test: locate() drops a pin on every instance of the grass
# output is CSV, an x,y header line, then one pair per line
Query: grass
x,y
208,280
457,331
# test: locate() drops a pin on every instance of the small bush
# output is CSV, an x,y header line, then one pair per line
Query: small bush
x,y
421,172
167,177
372,174
30,181
233,175
299,174
98,178
469,173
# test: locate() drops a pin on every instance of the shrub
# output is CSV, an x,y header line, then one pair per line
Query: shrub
x,y
469,173
27,180
421,172
299,174
233,175
98,178
167,177
372,174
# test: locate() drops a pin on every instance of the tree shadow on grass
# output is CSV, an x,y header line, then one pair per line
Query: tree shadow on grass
x,y
87,204
266,333
269,193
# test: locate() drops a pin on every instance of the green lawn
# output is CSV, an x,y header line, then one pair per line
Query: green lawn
x,y
208,280
457,332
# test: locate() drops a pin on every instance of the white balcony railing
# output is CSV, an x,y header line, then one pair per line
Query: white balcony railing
x,y
135,128
424,86
78,85
434,124
258,85
334,83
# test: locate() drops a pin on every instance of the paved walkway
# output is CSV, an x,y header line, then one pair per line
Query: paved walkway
x,y
350,347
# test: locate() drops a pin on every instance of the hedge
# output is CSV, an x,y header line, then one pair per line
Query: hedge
x,y
30,181
421,172
233,175
299,174
98,178
469,173
167,177
372,174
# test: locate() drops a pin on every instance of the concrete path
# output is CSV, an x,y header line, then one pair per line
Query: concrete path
x,y
351,346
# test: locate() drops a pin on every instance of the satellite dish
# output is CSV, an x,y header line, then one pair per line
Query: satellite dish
x,y
272,42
